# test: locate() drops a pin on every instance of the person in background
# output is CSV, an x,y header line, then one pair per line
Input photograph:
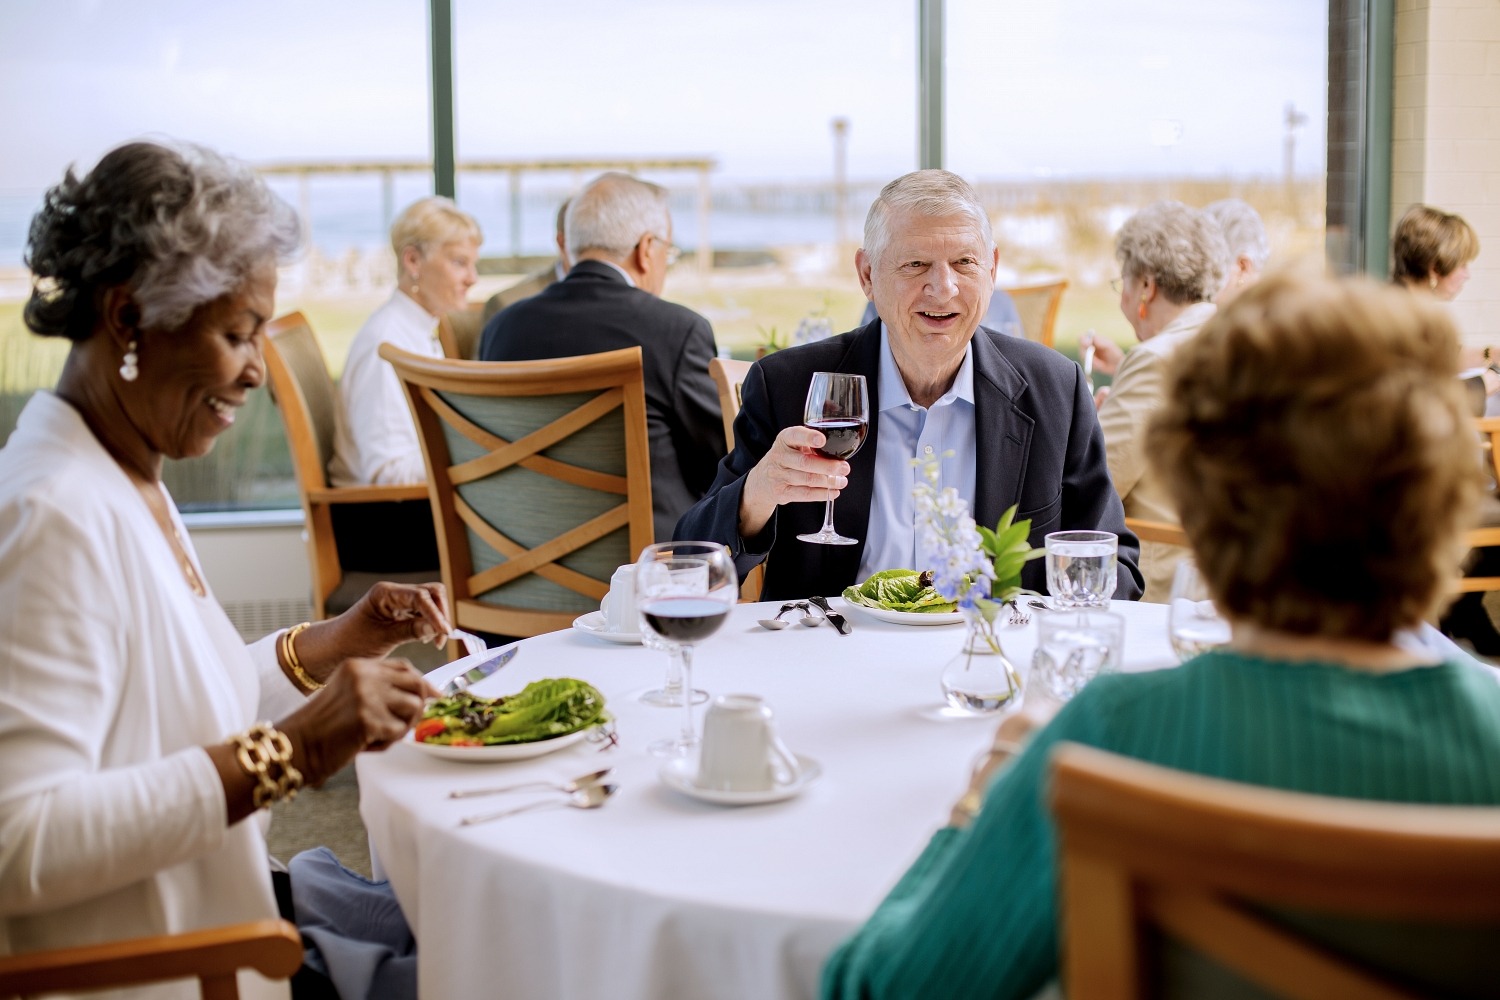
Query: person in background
x,y
533,283
619,235
129,805
1292,396
1015,415
437,251
1249,246
1172,260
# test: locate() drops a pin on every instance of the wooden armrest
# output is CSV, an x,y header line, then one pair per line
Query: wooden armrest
x,y
271,947
368,494
1157,531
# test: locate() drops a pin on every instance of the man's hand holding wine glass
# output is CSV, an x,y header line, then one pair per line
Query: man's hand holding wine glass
x,y
792,471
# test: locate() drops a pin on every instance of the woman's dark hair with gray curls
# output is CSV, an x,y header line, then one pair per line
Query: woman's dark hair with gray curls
x,y
178,226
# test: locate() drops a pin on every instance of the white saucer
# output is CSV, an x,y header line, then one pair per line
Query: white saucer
x,y
681,773
501,751
593,624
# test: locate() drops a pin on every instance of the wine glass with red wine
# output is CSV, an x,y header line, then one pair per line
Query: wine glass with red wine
x,y
838,407
683,592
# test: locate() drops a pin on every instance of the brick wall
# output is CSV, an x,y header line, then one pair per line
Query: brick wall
x,y
1446,134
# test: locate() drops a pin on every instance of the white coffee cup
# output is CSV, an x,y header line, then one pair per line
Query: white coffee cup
x,y
741,752
619,604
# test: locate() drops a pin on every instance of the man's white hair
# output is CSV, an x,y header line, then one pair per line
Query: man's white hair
x,y
613,212
929,193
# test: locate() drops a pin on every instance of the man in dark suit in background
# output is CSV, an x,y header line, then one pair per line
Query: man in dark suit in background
x,y
533,283
619,234
1016,416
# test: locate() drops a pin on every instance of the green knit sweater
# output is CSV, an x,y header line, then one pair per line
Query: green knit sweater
x,y
975,916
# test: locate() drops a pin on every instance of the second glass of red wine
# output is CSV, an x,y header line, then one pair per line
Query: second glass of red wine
x,y
838,407
683,593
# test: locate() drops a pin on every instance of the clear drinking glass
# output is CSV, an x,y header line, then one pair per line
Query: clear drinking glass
x,y
1193,623
1081,568
838,406
1073,647
683,592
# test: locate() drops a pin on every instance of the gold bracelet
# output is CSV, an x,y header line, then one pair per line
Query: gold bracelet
x,y
289,654
265,753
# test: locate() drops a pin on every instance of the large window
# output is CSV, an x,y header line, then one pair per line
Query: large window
x,y
774,124
1073,114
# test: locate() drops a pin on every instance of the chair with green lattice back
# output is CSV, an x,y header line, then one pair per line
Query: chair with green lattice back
x,y
540,481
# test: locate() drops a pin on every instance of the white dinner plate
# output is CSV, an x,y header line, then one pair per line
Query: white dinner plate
x,y
502,751
593,624
681,773
909,617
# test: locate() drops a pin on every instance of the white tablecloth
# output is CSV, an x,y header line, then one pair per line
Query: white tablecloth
x,y
658,896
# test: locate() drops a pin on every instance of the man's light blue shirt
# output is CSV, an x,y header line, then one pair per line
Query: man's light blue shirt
x,y
906,431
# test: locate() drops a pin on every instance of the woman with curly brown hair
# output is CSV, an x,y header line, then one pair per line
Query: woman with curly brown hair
x,y
1313,437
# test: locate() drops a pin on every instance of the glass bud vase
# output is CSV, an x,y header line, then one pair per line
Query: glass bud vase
x,y
980,679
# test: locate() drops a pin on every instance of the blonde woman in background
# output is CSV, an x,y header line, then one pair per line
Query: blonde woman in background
x,y
375,441
437,253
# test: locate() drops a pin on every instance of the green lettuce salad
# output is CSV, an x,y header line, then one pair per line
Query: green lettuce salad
x,y
542,710
900,590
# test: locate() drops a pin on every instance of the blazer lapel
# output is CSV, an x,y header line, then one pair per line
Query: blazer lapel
x,y
1003,432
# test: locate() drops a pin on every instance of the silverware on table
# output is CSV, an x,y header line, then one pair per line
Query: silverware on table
x,y
570,786
776,624
587,797
835,619
1018,616
479,671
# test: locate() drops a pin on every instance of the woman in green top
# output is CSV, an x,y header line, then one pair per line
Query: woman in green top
x,y
1317,444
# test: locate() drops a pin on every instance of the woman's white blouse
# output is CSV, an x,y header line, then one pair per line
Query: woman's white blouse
x,y
113,676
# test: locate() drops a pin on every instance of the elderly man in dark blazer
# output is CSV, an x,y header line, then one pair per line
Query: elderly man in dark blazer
x,y
619,233
1017,417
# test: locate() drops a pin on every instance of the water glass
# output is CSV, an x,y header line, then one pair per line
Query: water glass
x,y
1081,568
1073,647
1194,625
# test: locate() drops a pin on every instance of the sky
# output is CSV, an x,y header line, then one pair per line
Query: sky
x,y
1034,88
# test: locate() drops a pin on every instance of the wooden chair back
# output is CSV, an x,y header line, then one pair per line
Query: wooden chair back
x,y
305,395
1037,305
459,332
271,947
729,376
1170,881
540,480
1157,531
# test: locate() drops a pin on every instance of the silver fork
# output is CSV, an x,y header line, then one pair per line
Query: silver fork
x,y
1017,615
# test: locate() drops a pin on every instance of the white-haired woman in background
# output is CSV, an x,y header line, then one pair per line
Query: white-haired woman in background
x,y
1249,246
1172,262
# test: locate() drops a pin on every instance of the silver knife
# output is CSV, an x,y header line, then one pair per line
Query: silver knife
x,y
479,671
835,619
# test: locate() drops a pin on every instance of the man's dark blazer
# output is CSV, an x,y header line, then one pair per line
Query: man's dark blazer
x,y
1039,444
594,310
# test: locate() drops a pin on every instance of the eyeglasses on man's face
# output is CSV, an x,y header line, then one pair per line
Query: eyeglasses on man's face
x,y
674,253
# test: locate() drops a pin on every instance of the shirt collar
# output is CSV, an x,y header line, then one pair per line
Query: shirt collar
x,y
620,270
892,387
412,312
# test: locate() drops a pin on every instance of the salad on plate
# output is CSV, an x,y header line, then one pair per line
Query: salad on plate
x,y
904,590
543,710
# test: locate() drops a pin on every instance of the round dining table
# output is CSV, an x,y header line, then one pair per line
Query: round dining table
x,y
658,895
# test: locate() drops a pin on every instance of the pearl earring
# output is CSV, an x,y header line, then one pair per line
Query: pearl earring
x,y
128,364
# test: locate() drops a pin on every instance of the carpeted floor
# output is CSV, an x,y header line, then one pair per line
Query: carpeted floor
x,y
329,816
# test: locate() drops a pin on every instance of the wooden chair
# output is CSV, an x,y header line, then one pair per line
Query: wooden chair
x,y
540,480
1175,884
1037,306
459,332
729,375
271,947
1157,531
1488,534
304,394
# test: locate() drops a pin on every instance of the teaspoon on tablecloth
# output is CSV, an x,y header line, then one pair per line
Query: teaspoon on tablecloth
x,y
776,624
587,797
592,778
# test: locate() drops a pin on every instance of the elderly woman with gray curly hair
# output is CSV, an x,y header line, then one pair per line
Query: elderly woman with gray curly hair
x,y
134,777
1172,264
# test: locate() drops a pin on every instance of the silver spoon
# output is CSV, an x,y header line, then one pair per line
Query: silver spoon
x,y
587,797
809,619
776,624
592,778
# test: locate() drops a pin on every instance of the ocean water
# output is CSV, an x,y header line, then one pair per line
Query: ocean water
x,y
351,212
